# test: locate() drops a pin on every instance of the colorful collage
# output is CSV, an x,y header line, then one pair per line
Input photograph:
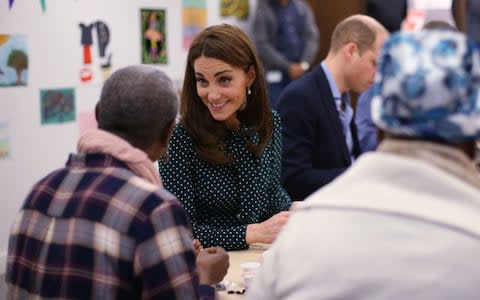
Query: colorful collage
x,y
57,106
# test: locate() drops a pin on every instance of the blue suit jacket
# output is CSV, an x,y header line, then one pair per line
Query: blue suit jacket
x,y
314,147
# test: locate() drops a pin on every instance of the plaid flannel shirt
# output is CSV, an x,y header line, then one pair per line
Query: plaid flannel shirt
x,y
94,230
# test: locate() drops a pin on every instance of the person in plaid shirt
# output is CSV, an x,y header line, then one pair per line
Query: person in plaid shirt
x,y
103,227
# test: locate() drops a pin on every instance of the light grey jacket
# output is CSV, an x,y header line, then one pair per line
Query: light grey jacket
x,y
393,226
265,27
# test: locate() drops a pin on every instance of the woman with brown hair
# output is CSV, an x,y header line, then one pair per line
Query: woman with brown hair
x,y
224,156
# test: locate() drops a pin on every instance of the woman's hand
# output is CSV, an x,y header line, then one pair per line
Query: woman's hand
x,y
295,205
267,231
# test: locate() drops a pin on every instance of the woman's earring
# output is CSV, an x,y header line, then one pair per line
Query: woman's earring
x,y
249,91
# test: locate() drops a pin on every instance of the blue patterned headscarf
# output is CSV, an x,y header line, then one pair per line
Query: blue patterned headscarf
x,y
427,86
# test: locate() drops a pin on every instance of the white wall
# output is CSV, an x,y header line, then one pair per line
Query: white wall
x,y
55,58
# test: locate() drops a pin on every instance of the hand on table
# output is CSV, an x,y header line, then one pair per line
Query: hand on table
x,y
295,205
212,265
267,231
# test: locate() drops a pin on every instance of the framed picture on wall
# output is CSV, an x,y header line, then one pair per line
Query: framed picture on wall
x,y
13,60
194,15
154,33
57,106
234,8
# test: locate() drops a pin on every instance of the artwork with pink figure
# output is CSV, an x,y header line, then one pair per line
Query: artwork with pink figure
x,y
153,36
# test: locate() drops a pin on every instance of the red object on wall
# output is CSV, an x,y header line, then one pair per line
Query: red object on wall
x,y
86,74
87,56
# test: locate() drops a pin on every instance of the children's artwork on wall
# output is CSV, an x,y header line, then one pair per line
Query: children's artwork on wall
x,y
57,106
194,20
102,63
235,8
4,140
42,3
154,32
13,60
86,120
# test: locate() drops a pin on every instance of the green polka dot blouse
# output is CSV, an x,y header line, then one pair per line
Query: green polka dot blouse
x,y
222,200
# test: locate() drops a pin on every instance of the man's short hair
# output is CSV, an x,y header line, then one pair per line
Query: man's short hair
x,y
137,103
359,29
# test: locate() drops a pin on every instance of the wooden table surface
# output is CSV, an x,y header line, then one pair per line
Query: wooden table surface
x,y
234,274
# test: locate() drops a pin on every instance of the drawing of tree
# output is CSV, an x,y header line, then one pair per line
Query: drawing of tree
x,y
19,61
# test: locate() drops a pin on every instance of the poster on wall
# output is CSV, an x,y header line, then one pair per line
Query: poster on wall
x,y
4,140
153,32
96,56
194,20
13,60
57,106
86,121
234,8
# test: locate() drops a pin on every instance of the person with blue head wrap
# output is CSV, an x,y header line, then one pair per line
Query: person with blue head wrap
x,y
427,88
403,222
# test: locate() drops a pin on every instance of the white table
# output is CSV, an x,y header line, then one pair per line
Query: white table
x,y
234,274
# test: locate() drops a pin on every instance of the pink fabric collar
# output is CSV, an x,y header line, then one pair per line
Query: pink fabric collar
x,y
97,140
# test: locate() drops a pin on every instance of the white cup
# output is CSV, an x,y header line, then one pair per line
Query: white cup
x,y
249,270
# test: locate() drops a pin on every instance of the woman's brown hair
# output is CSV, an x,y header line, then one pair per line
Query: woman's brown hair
x,y
232,46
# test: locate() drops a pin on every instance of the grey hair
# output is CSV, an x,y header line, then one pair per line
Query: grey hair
x,y
137,103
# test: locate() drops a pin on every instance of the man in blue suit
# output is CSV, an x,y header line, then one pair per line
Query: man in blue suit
x,y
319,134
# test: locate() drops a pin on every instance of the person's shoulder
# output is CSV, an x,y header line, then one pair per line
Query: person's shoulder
x,y
135,182
305,85
155,196
180,129
315,74
47,183
155,209
167,199
166,196
50,178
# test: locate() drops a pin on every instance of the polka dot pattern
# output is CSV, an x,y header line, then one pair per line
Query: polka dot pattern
x,y
222,200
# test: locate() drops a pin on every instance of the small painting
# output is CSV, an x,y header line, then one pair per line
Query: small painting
x,y
194,20
154,33
234,8
13,60
57,106
95,64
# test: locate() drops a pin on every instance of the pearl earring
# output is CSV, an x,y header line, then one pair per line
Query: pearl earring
x,y
249,91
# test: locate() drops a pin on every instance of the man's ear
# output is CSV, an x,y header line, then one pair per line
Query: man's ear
x,y
350,50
